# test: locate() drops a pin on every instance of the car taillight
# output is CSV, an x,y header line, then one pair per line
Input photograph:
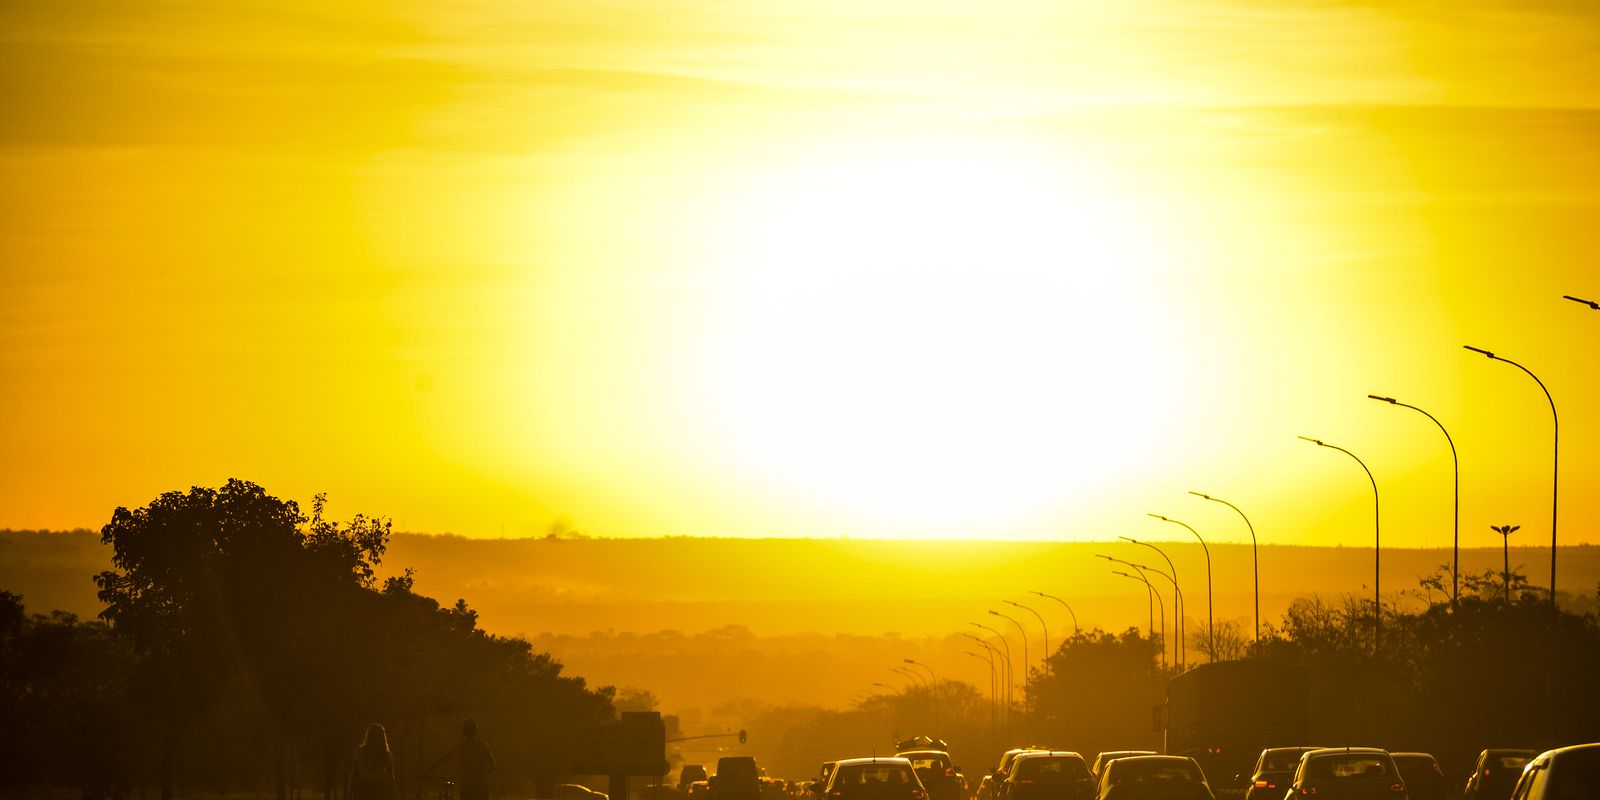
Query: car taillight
x,y
1025,781
1398,787
949,772
1264,785
836,793
919,794
1308,791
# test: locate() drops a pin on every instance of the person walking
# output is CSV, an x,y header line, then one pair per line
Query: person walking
x,y
474,760
372,770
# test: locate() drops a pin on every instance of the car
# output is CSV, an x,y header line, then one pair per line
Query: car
x,y
1421,774
936,771
1273,772
874,779
737,778
1153,777
1102,759
999,771
699,790
1495,773
1347,773
689,774
577,791
1048,775
1566,773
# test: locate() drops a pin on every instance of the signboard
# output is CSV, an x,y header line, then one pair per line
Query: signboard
x,y
634,745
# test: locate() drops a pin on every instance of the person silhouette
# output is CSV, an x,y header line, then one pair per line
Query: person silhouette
x,y
372,768
474,760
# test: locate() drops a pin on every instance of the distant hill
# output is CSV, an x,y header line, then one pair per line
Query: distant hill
x,y
702,622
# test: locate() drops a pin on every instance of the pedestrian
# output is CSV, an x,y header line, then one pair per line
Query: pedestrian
x,y
372,770
474,760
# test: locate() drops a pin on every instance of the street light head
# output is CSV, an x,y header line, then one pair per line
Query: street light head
x,y
1389,400
1201,495
1478,350
1314,441
994,612
1158,516
1041,594
1104,556
1128,539
1590,303
908,661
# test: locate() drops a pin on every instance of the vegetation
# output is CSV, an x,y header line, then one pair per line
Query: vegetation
x,y
243,642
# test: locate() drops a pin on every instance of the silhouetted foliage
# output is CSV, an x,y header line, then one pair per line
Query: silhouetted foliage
x,y
1099,692
260,633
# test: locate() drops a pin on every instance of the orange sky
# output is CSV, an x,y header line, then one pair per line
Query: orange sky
x,y
1008,269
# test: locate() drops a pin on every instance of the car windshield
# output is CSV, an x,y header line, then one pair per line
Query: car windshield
x,y
1281,760
1154,770
938,762
1514,761
1349,765
1051,768
874,775
1414,765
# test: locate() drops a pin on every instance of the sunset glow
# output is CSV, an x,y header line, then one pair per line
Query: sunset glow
x,y
892,270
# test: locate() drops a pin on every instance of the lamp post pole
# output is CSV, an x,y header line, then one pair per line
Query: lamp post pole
x,y
1177,613
1211,631
1024,632
1063,605
1046,662
1141,570
1255,557
1555,472
1150,595
932,678
1010,668
1377,543
988,658
1455,462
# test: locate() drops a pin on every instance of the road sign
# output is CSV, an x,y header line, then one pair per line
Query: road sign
x,y
634,745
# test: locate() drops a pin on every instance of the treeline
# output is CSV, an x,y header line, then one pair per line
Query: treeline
x,y
1492,671
246,645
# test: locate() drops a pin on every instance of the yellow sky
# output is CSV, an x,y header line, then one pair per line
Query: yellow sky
x,y
836,268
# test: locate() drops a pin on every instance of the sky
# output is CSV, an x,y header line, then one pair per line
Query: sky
x,y
1020,270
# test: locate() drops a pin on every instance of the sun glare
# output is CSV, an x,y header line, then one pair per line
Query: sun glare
x,y
944,341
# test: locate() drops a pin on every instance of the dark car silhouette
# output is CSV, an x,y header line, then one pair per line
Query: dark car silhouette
x,y
1567,773
936,771
1496,772
874,779
1153,778
1102,759
1421,774
1347,773
1048,775
737,778
1274,772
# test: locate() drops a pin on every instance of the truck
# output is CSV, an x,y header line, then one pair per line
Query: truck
x,y
1225,713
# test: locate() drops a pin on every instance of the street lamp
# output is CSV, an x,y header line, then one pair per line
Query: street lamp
x,y
1010,666
1211,631
932,678
1455,547
988,658
1178,614
1255,558
1141,568
1046,662
1505,532
1024,632
916,677
1151,594
1063,605
1590,303
1555,481
1377,540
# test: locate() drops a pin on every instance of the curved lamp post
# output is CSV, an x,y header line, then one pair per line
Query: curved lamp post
x,y
1377,541
1011,676
1211,631
1024,632
1046,662
1590,303
1178,613
1255,558
932,678
1455,547
1555,472
1063,605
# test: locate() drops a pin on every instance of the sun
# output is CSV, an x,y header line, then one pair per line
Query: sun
x,y
938,340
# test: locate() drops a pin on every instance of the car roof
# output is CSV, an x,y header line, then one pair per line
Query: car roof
x,y
1156,757
843,762
910,753
1428,756
1331,751
1571,748
1032,754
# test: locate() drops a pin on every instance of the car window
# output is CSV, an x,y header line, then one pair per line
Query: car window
x,y
1046,769
1513,761
1348,765
931,761
874,774
1154,771
1281,761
